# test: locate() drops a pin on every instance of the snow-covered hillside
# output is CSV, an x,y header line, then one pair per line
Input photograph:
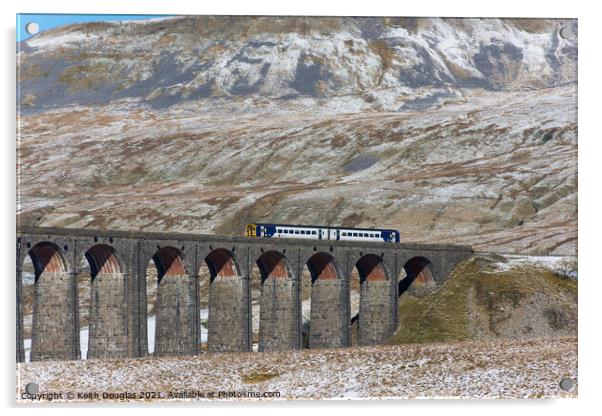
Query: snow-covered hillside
x,y
450,130
383,63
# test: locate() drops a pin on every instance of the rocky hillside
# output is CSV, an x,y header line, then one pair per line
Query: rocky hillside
x,y
494,297
450,130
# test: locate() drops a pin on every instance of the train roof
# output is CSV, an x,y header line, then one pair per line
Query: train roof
x,y
324,226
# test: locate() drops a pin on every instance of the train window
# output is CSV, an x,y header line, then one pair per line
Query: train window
x,y
355,234
296,231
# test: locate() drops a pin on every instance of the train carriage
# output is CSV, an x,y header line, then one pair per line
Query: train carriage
x,y
316,232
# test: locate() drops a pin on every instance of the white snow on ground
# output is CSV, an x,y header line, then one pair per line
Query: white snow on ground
x,y
151,325
27,344
483,369
559,264
50,41
203,330
84,335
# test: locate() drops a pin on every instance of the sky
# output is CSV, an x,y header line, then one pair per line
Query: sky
x,y
49,21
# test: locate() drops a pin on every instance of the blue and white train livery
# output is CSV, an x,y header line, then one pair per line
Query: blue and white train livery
x,y
317,232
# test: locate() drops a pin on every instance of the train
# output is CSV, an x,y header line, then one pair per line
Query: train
x,y
320,232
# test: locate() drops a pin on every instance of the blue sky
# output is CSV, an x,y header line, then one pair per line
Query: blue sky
x,y
48,21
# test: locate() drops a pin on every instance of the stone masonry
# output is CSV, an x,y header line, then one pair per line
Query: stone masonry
x,y
118,312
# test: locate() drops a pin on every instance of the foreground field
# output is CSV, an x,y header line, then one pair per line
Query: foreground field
x,y
500,369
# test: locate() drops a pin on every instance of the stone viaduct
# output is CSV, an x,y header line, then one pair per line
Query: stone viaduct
x,y
118,263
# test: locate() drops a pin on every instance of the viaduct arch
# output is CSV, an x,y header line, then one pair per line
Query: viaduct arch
x,y
118,312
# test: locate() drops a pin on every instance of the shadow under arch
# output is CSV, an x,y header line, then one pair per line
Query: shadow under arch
x,y
371,267
103,259
47,257
274,264
418,269
222,263
323,266
169,261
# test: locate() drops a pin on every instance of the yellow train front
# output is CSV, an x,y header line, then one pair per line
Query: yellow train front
x,y
313,232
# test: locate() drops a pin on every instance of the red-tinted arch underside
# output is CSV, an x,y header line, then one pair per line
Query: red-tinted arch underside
x,y
370,268
102,260
46,258
168,261
418,270
273,264
322,266
221,263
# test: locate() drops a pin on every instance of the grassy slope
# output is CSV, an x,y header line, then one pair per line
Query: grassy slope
x,y
445,315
